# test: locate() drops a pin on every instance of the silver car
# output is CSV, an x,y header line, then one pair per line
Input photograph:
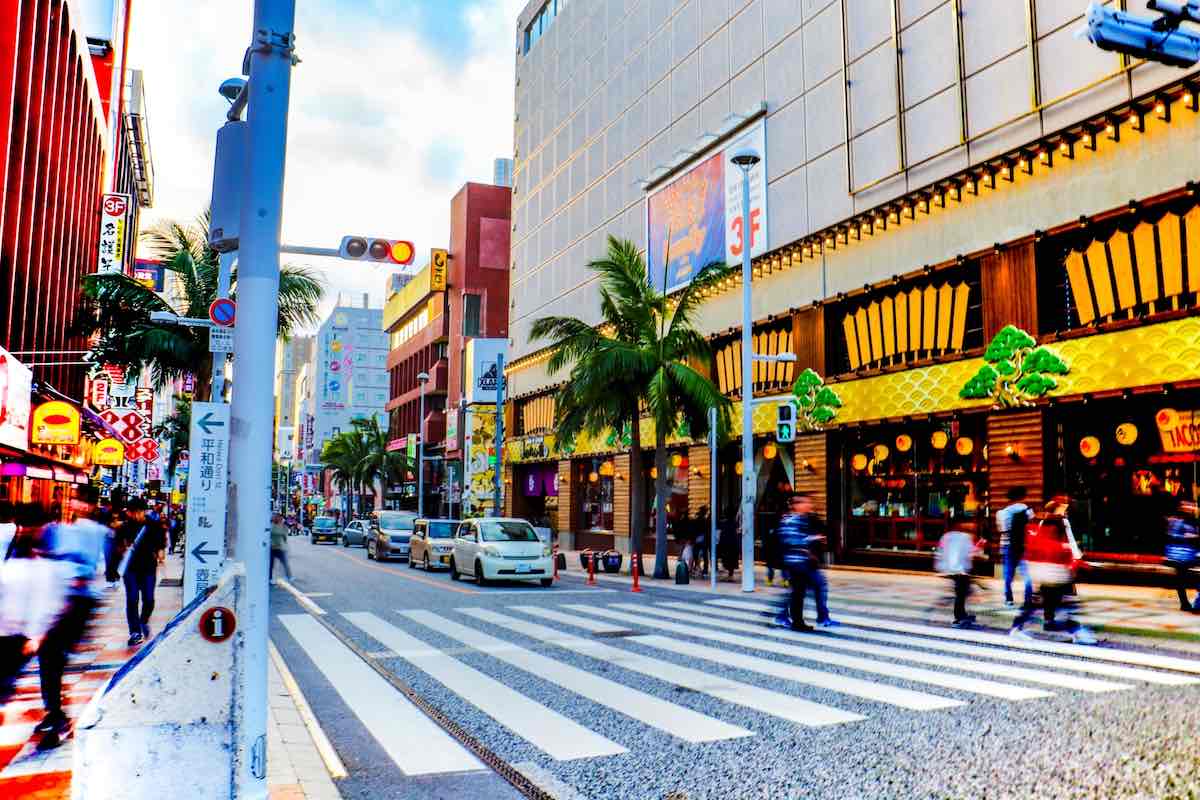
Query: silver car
x,y
432,543
355,533
388,534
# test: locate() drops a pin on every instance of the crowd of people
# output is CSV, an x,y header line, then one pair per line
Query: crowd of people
x,y
51,574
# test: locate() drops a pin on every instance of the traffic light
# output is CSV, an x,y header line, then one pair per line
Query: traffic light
x,y
1159,39
385,251
785,423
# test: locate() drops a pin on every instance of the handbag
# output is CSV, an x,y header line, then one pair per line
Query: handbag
x,y
129,551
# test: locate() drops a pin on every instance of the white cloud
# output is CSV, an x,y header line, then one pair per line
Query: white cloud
x,y
385,124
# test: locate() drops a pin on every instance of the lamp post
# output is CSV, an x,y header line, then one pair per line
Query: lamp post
x,y
745,161
422,378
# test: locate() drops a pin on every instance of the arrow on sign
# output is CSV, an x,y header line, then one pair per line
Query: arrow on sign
x,y
207,423
199,552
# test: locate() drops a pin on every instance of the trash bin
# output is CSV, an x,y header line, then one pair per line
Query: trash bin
x,y
612,561
681,572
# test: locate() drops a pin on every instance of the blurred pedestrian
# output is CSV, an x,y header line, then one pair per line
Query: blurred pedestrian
x,y
1012,522
31,593
798,540
8,526
78,546
703,530
145,542
956,553
115,549
174,532
279,545
1183,553
1051,556
729,546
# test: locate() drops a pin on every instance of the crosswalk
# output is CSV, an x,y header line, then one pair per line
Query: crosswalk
x,y
596,678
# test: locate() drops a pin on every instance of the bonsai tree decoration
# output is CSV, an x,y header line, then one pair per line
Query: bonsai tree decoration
x,y
1016,371
818,403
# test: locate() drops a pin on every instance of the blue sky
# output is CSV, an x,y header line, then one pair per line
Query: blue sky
x,y
395,104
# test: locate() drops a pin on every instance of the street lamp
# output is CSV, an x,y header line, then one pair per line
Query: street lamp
x,y
422,378
745,161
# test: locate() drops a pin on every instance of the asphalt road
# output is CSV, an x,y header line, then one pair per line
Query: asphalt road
x,y
686,696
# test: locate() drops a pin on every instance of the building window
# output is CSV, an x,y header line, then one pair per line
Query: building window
x,y
471,307
541,22
594,497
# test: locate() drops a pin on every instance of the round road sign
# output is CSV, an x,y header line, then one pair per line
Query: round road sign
x,y
217,624
222,311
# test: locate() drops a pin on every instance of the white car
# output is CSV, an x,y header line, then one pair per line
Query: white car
x,y
492,548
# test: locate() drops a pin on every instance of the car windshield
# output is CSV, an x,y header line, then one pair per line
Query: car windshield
x,y
507,532
396,521
323,523
441,530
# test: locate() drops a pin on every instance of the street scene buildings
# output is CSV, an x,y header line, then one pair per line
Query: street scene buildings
x,y
583,399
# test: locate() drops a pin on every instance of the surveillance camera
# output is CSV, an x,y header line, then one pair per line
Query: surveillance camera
x,y
231,88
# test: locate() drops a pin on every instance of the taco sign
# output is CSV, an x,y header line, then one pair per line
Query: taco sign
x,y
1179,430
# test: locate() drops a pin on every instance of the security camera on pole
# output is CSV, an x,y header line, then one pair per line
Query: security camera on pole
x,y
1158,39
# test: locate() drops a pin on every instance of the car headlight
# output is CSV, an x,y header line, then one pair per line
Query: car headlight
x,y
491,552
546,551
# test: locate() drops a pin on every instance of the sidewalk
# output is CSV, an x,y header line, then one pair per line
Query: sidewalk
x,y
1132,610
30,775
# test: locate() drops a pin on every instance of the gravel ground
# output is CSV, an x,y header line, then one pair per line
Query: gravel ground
x,y
1140,743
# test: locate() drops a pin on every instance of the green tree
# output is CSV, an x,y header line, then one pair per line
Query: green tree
x,y
818,403
175,429
116,308
1016,371
344,455
378,466
639,359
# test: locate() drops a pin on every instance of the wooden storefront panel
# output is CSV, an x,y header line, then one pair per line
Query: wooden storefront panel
x,y
621,494
1023,431
565,505
699,477
1009,282
811,452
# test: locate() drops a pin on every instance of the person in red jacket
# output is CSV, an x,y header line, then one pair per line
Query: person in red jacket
x,y
1051,555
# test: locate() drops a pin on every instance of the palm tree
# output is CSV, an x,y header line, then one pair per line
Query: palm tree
x,y
638,360
175,428
378,465
344,454
116,308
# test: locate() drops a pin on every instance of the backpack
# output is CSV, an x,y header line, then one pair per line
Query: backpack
x,y
1048,553
1182,548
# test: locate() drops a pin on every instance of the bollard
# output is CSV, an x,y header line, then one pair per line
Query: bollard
x,y
635,561
591,581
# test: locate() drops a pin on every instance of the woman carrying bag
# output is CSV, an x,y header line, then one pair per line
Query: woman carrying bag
x,y
1051,555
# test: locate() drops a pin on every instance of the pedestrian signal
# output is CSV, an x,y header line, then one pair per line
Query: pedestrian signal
x,y
785,423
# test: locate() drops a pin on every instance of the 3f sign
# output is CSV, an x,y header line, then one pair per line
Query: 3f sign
x,y
736,226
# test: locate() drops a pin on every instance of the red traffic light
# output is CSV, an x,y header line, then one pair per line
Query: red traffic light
x,y
402,252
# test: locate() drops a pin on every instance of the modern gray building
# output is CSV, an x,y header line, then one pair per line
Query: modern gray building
x,y
933,172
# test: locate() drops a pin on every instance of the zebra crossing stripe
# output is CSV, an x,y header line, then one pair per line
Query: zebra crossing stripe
x,y
691,726
560,737
1104,668
982,667
868,690
962,683
789,707
1134,657
411,739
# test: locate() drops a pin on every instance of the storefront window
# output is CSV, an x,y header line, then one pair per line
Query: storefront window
x,y
535,496
906,485
677,490
594,493
1126,464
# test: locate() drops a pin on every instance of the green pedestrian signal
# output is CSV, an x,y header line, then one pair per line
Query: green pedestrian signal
x,y
785,423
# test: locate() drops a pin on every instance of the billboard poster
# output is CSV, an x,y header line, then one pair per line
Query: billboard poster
x,y
481,378
114,209
479,439
695,219
16,384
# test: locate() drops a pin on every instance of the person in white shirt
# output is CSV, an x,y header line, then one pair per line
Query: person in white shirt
x,y
956,553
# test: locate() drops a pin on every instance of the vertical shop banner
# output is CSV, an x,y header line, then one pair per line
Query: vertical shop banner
x,y
16,385
481,376
479,439
114,213
695,219
207,500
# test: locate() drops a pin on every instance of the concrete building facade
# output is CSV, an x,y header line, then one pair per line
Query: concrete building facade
x,y
933,172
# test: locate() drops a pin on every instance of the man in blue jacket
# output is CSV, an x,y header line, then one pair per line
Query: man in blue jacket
x,y
796,537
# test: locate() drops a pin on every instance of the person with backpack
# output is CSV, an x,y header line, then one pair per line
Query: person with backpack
x,y
1183,553
1051,555
1012,521
145,541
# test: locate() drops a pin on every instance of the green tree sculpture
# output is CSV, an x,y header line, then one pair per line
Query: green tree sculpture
x,y
818,402
1016,373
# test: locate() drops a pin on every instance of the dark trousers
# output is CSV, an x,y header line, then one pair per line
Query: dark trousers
x,y
112,560
802,577
58,644
962,588
281,555
1052,601
12,660
139,600
1185,579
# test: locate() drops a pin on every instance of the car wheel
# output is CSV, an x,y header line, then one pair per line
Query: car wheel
x,y
412,562
454,575
480,578
425,564
345,541
312,540
370,552
547,583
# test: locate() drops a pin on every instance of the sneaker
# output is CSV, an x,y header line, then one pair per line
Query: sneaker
x,y
135,640
51,722
781,622
49,741
1083,636
770,581
967,622
1009,604
828,623
802,627
1017,633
